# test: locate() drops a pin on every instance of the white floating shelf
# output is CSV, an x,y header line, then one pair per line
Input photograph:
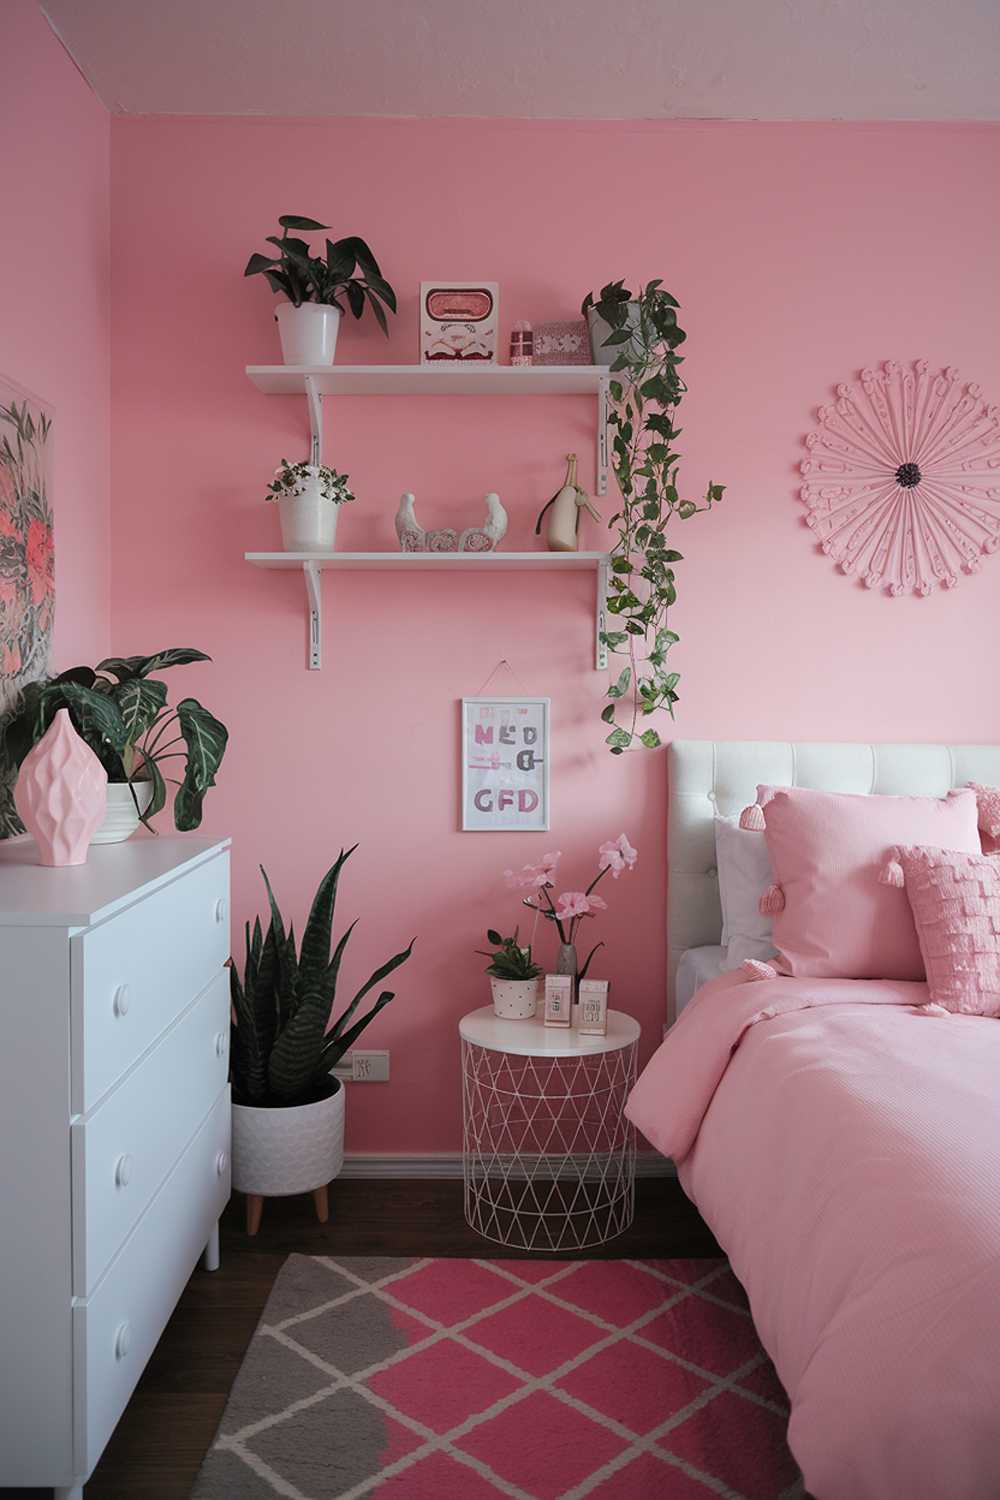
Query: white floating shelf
x,y
316,382
312,564
430,380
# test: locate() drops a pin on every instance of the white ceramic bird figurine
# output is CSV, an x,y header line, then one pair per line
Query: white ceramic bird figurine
x,y
485,538
413,537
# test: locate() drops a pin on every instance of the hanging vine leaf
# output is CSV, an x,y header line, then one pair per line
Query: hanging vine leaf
x,y
645,393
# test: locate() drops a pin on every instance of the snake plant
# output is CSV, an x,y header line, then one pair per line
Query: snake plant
x,y
282,1051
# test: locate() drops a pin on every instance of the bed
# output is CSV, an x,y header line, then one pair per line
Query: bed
x,y
844,1147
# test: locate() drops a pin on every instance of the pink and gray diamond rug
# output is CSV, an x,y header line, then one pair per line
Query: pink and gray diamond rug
x,y
476,1379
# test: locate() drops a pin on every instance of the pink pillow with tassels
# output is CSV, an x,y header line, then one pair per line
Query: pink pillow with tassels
x,y
832,918
988,803
955,901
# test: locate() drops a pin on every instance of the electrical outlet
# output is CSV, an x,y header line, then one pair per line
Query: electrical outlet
x,y
363,1067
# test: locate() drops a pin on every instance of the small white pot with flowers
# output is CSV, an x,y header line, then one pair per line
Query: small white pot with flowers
x,y
570,908
513,977
309,497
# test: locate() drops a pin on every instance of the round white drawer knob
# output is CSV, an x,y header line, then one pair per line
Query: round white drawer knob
x,y
123,1337
220,1043
123,1171
221,1163
220,910
121,1000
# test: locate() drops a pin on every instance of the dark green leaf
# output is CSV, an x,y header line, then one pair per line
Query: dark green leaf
x,y
205,738
124,667
139,700
296,221
95,716
258,263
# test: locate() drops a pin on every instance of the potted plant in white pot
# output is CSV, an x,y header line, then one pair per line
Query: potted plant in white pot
x,y
288,1112
316,289
513,977
309,497
612,319
120,710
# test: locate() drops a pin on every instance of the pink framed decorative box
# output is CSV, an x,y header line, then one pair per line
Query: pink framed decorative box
x,y
459,321
566,343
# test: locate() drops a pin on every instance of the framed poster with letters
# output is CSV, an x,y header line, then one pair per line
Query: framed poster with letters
x,y
505,765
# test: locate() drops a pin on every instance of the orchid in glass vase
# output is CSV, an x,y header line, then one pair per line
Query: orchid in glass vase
x,y
570,908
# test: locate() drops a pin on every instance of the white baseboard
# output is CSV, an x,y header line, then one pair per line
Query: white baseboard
x,y
448,1164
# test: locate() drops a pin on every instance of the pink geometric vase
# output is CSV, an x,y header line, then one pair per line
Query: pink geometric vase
x,y
61,794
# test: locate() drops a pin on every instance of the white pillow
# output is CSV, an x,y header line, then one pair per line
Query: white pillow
x,y
744,875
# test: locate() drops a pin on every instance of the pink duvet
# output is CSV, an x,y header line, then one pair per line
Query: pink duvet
x,y
845,1150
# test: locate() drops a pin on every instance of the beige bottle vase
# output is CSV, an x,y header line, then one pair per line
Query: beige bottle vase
x,y
564,513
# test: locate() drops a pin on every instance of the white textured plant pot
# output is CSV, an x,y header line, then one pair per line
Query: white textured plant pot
x,y
278,1152
122,816
308,333
308,522
514,999
600,330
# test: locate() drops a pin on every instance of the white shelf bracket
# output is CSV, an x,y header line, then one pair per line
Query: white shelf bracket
x,y
315,600
601,618
602,437
315,401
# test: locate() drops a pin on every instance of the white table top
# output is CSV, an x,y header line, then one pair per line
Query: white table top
x,y
36,895
484,1028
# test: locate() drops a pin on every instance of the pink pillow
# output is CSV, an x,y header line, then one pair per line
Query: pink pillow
x,y
955,900
832,917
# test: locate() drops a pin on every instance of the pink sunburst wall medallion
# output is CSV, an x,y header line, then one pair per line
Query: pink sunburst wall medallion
x,y
902,481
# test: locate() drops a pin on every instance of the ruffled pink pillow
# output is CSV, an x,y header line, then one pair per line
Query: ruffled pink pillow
x,y
831,916
955,900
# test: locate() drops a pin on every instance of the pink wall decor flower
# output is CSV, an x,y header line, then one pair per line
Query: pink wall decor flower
x,y
617,856
40,559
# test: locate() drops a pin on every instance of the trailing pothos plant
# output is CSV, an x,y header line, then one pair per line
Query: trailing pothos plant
x,y
121,711
348,272
645,389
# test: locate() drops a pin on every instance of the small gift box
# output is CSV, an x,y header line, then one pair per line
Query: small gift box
x,y
593,1014
558,999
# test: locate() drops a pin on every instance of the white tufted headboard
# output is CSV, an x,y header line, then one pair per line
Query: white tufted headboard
x,y
722,775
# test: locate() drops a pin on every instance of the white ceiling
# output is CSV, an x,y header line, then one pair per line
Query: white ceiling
x,y
575,59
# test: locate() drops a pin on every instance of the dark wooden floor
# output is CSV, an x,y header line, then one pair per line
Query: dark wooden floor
x,y
172,1417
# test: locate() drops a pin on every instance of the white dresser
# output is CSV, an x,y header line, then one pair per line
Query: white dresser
x,y
114,1131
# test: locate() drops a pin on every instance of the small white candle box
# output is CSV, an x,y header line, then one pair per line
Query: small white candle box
x,y
558,999
593,1017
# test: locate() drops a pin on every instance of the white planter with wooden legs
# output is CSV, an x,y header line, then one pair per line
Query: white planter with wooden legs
x,y
280,1152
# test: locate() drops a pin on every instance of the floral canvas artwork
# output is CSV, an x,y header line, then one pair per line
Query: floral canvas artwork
x,y
27,564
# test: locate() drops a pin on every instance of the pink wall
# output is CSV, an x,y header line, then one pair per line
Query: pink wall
x,y
54,301
800,253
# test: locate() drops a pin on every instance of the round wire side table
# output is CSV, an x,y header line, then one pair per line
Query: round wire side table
x,y
549,1157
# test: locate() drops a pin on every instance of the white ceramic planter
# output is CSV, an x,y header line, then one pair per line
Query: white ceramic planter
x,y
308,522
279,1152
514,999
308,333
600,330
122,817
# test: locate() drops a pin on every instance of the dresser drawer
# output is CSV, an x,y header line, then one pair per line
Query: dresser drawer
x,y
132,976
116,1329
124,1150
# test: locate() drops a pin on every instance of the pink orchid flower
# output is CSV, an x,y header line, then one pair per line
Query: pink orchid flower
x,y
578,904
533,877
617,855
